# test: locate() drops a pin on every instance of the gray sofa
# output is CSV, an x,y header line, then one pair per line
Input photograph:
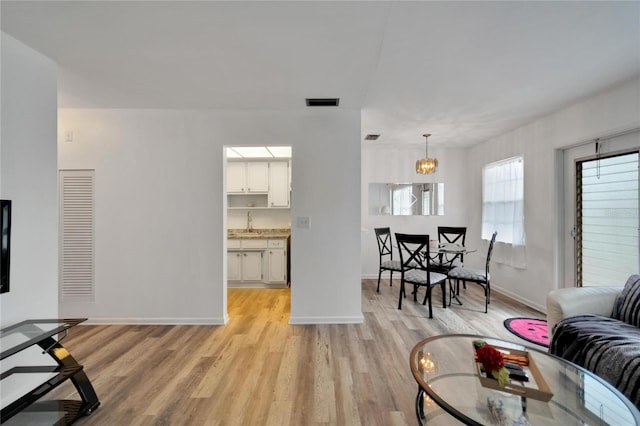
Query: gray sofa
x,y
598,329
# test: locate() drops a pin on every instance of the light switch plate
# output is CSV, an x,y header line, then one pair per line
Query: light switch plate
x,y
303,222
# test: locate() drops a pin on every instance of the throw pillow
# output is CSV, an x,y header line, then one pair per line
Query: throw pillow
x,y
627,306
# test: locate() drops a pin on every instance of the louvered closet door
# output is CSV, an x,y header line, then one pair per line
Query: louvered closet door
x,y
77,235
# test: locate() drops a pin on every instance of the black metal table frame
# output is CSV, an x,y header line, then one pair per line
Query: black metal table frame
x,y
68,367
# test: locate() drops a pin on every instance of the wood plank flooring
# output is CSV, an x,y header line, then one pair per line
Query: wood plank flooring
x,y
258,370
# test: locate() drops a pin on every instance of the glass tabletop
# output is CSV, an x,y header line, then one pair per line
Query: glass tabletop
x,y
445,369
451,248
19,336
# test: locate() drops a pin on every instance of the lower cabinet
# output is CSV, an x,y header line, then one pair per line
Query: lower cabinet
x,y
257,261
277,265
244,265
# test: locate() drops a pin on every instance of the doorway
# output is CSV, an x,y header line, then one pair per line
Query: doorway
x,y
601,212
258,222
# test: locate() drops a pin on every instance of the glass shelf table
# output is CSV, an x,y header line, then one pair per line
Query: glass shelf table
x,y
23,384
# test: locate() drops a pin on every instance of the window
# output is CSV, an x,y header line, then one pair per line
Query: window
x,y
403,200
503,200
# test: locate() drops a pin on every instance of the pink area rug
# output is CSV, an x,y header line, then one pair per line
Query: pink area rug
x,y
530,329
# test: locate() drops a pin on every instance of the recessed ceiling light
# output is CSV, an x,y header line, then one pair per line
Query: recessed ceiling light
x,y
371,137
280,151
323,102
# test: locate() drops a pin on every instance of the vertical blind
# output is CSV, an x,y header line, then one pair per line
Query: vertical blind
x,y
607,220
77,235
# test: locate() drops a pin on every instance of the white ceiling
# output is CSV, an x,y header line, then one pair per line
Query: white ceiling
x,y
462,71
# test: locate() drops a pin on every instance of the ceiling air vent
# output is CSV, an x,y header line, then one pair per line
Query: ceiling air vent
x,y
323,102
371,137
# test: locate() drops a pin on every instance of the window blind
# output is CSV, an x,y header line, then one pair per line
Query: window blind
x,y
608,219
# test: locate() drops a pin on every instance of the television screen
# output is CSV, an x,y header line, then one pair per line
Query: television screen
x,y
5,226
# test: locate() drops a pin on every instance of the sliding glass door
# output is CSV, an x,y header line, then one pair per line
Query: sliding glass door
x,y
606,229
600,209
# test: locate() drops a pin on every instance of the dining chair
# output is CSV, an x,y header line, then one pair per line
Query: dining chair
x,y
449,235
385,250
478,276
416,270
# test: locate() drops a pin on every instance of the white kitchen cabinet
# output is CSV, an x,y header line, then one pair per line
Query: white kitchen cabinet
x,y
247,177
244,266
278,184
236,180
234,266
252,266
245,259
257,260
276,264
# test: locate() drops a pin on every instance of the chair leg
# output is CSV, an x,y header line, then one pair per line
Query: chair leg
x,y
379,275
391,278
443,286
430,307
401,294
488,293
486,298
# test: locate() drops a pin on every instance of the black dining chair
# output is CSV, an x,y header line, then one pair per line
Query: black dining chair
x,y
449,235
478,276
416,270
385,250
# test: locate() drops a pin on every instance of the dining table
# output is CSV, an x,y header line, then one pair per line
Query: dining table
x,y
447,254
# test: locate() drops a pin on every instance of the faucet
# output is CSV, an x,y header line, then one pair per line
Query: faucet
x,y
249,222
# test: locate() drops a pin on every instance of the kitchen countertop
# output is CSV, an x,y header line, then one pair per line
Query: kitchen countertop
x,y
258,233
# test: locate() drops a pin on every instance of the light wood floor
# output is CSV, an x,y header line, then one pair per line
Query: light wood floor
x,y
258,370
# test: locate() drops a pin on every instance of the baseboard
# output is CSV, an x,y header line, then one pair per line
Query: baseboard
x,y
516,297
494,288
325,320
158,321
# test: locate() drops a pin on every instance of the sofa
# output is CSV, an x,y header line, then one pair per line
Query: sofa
x,y
598,328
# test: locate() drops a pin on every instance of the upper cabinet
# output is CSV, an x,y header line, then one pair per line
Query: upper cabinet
x,y
247,178
258,184
279,184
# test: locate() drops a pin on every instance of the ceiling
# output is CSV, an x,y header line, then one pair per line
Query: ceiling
x,y
462,71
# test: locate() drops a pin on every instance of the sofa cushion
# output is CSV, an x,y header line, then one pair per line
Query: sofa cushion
x,y
604,346
627,305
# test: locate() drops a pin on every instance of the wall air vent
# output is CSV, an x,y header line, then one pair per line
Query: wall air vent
x,y
323,102
371,137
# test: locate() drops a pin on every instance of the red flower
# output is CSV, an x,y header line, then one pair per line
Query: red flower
x,y
490,358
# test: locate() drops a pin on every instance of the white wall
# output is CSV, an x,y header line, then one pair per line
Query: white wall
x,y
28,177
161,218
608,113
261,219
398,165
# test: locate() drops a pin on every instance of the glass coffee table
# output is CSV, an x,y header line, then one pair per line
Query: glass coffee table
x,y
447,376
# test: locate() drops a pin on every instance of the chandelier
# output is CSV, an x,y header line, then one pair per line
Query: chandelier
x,y
426,165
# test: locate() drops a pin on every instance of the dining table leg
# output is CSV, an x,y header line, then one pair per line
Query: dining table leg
x,y
452,293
